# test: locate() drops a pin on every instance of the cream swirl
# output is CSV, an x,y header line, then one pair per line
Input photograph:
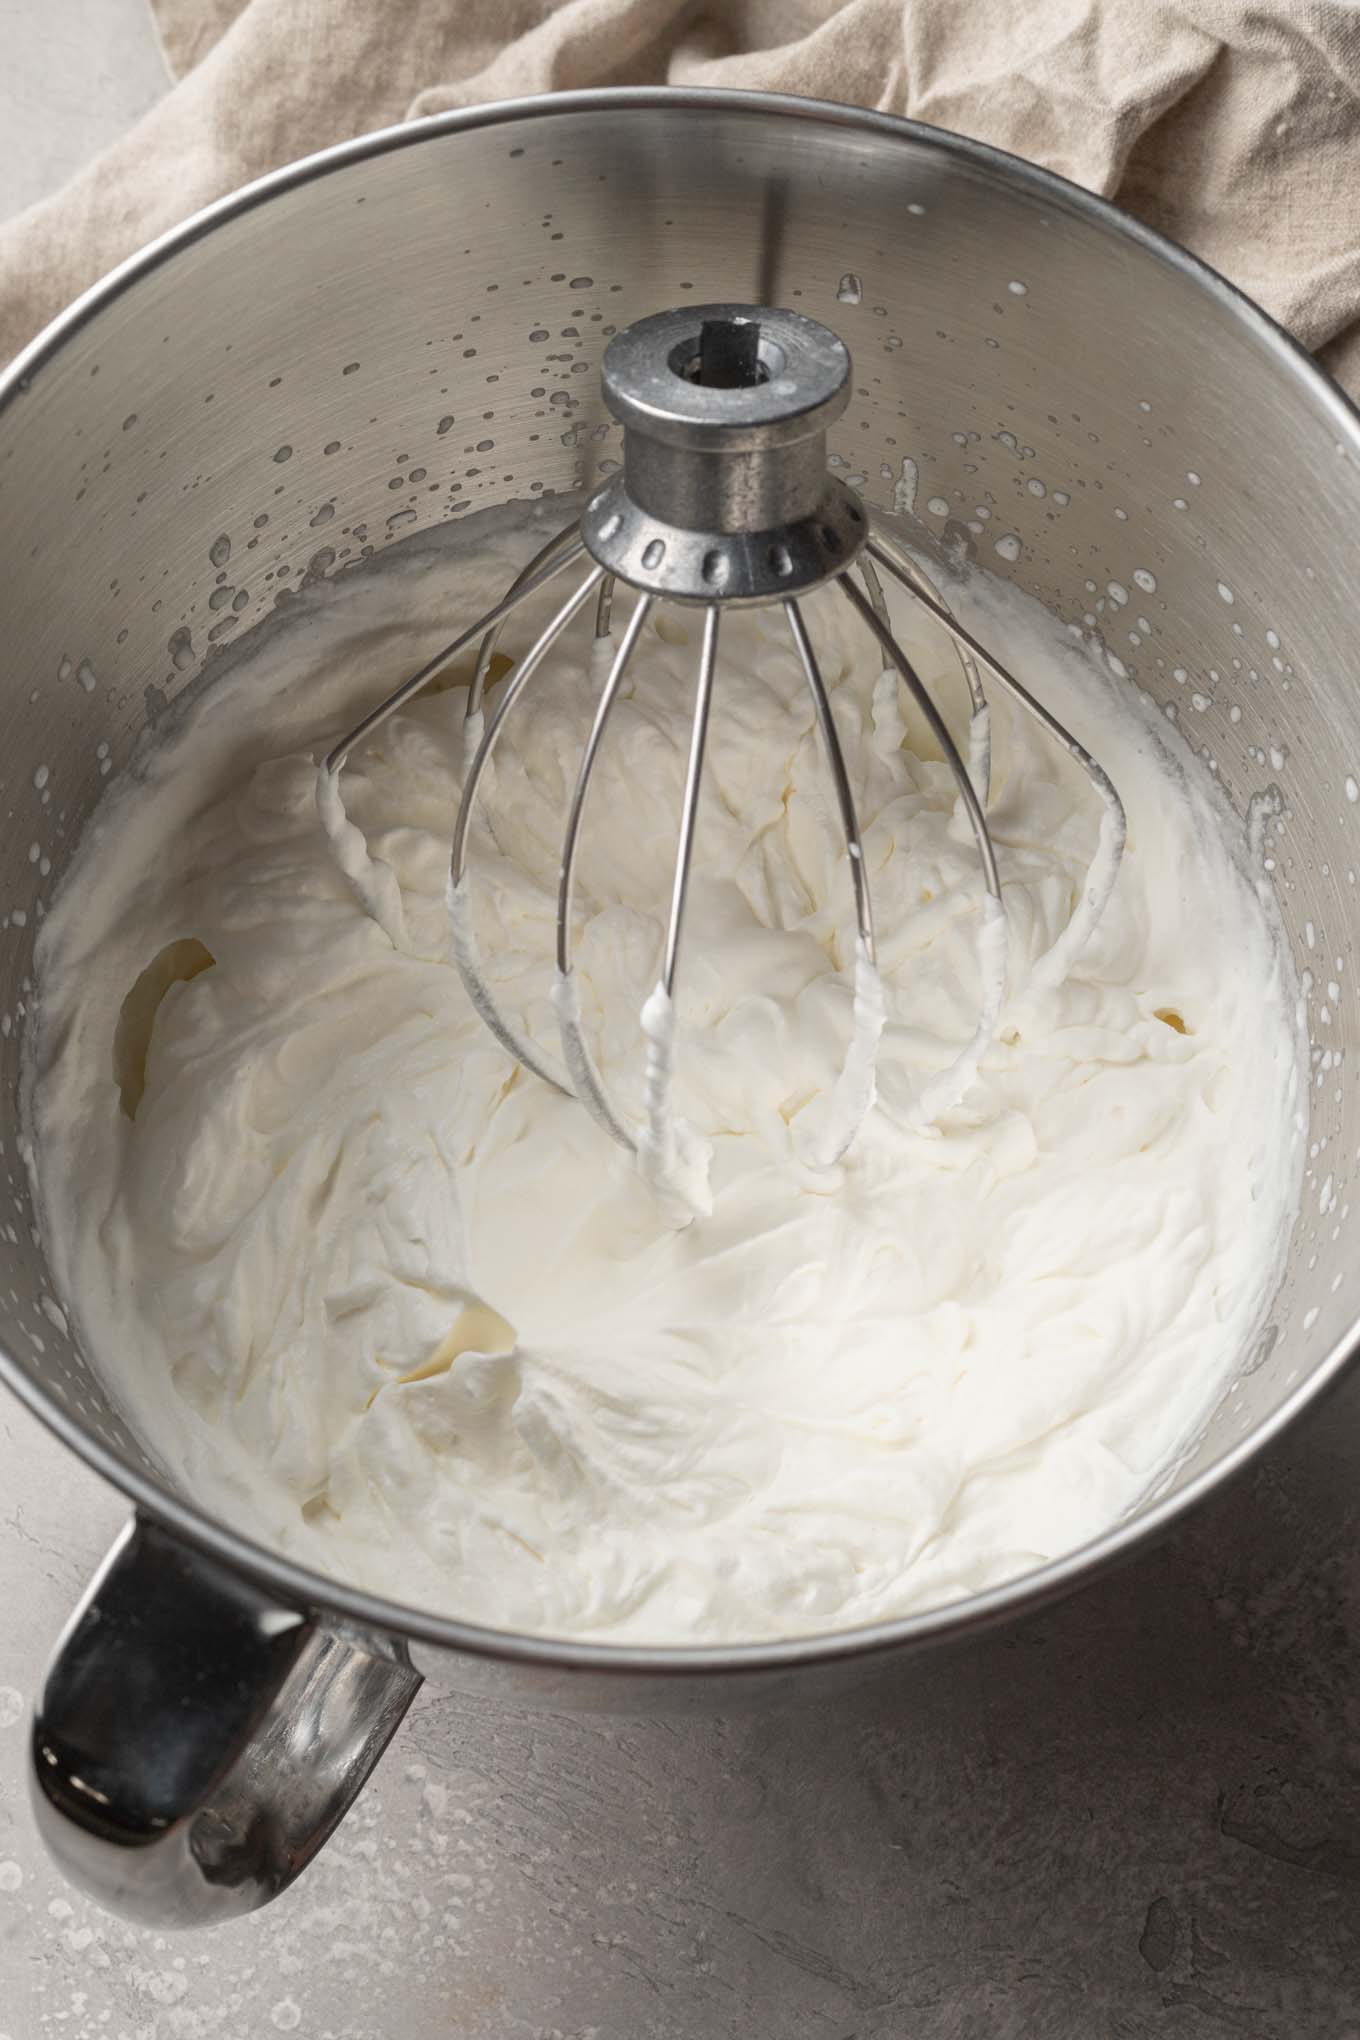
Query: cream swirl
x,y
410,1316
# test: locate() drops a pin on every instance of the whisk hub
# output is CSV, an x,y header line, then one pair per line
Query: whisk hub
x,y
725,495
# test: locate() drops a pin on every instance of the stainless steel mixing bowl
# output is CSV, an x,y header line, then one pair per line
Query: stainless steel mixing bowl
x,y
409,327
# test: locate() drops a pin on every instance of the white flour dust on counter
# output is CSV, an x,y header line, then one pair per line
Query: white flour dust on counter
x,y
405,1313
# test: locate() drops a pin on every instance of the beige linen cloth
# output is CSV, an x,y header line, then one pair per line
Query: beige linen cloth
x,y
1233,127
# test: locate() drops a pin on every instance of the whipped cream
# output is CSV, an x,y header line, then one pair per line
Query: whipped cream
x,y
408,1315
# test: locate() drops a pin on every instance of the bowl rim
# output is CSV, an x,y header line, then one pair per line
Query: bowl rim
x,y
298,1585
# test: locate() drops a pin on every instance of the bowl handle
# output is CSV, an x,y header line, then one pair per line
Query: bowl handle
x,y
197,1740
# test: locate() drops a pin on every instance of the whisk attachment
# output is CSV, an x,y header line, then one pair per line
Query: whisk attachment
x,y
724,499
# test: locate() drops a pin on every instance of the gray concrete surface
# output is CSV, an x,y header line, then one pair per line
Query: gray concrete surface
x,y
1136,1816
